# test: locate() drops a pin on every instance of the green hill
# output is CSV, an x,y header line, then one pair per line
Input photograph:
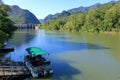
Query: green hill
x,y
104,18
21,16
70,12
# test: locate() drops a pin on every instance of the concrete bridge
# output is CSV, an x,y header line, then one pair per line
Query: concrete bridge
x,y
27,26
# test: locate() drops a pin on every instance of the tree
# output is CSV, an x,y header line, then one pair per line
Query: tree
x,y
103,18
112,18
3,37
6,26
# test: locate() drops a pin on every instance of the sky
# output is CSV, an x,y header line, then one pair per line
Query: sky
x,y
42,8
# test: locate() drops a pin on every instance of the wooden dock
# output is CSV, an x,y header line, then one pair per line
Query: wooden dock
x,y
13,69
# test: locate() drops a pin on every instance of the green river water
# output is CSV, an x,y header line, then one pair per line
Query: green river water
x,y
74,56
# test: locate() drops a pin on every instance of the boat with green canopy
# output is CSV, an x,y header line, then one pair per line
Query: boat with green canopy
x,y
34,51
36,63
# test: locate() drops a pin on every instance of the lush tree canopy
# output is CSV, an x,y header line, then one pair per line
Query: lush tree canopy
x,y
103,18
6,26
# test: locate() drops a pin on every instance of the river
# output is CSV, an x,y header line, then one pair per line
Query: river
x,y
74,56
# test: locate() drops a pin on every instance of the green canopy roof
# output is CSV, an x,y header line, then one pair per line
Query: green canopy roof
x,y
34,51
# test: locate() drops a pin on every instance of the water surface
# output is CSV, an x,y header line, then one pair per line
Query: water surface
x,y
74,56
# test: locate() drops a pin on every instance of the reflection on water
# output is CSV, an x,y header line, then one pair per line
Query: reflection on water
x,y
74,56
22,37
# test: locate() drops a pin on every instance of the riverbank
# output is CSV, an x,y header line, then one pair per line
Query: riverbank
x,y
113,31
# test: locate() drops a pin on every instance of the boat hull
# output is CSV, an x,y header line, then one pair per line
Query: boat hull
x,y
43,69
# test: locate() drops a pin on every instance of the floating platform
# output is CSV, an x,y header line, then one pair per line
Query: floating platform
x,y
13,69
4,50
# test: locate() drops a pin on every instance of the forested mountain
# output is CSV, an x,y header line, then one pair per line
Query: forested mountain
x,y
20,16
71,11
104,18
83,9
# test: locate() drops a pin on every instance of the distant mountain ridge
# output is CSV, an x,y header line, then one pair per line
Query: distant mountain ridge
x,y
70,11
83,9
22,16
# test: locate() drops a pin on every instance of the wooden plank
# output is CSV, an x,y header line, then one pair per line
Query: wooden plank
x,y
19,70
1,71
7,73
15,69
24,69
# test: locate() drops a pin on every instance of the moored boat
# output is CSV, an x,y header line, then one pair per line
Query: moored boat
x,y
6,49
36,63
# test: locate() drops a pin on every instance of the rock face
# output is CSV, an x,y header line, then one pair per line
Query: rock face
x,y
21,16
71,11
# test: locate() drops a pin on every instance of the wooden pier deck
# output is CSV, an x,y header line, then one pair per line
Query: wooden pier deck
x,y
13,69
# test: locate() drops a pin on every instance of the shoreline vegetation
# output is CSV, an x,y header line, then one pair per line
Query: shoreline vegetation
x,y
104,19
6,25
